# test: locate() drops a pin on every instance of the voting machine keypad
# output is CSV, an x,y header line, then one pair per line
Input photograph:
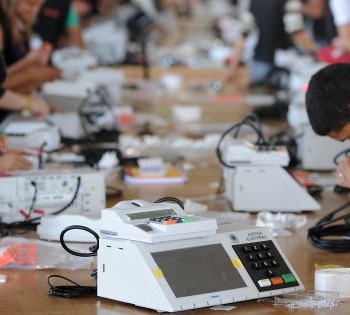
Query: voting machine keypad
x,y
171,220
265,265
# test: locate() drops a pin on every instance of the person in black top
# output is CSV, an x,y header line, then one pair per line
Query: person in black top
x,y
58,24
280,25
26,68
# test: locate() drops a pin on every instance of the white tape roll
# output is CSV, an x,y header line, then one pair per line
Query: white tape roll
x,y
333,280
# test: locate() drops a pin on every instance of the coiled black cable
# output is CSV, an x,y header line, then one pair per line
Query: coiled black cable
x,y
76,289
68,291
328,235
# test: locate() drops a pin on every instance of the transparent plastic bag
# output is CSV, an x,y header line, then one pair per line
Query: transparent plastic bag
x,y
31,254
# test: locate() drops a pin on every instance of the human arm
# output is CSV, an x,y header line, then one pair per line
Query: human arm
x,y
294,25
17,102
342,40
315,9
12,161
247,26
3,145
302,40
74,37
31,79
237,51
36,57
341,15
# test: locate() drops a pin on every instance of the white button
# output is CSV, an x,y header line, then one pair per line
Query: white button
x,y
264,283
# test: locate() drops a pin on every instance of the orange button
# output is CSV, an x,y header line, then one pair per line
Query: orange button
x,y
169,222
276,281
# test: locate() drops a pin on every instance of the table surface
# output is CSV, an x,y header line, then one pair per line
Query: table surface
x,y
25,292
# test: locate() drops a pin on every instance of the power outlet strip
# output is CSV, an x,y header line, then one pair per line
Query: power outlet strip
x,y
48,191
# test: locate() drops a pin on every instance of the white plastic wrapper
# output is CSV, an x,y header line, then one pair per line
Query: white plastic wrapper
x,y
281,224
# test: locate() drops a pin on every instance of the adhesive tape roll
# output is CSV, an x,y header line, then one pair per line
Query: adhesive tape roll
x,y
333,280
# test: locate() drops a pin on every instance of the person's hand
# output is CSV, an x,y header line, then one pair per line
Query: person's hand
x,y
12,161
3,145
341,43
231,69
343,173
39,107
40,56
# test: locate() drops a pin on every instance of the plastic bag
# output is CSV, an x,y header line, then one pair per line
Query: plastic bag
x,y
31,254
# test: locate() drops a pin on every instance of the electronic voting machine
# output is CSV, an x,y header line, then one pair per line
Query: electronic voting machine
x,y
156,256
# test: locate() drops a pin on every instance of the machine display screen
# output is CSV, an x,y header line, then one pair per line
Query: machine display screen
x,y
198,270
150,214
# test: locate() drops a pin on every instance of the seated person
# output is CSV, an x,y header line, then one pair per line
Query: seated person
x,y
15,102
9,160
58,24
27,69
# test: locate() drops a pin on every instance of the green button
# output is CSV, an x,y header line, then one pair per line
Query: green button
x,y
186,220
288,278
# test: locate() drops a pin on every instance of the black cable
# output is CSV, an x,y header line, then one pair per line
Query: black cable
x,y
68,291
260,140
93,249
41,153
72,200
327,235
344,152
33,199
252,118
171,199
75,290
28,223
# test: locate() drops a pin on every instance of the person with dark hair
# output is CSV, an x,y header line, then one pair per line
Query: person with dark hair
x,y
328,101
328,108
27,68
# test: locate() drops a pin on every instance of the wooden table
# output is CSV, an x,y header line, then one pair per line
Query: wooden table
x,y
25,292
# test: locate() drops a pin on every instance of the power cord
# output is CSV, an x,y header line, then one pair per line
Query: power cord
x,y
336,158
31,223
69,291
171,199
93,249
251,120
329,236
76,289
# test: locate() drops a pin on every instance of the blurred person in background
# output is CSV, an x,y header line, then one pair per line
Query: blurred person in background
x,y
58,23
27,68
9,160
10,100
280,25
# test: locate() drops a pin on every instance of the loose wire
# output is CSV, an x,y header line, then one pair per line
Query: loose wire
x,y
329,236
